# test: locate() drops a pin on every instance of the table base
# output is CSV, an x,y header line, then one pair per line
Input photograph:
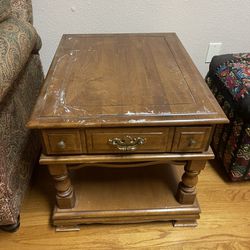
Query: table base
x,y
126,195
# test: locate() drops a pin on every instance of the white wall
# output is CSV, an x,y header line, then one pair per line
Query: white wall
x,y
197,22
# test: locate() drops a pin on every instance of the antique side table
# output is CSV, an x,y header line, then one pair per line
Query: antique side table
x,y
117,115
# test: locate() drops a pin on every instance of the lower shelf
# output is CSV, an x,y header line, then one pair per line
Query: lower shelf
x,y
126,195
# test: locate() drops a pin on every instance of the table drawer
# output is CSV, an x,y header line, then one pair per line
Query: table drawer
x,y
63,141
191,139
129,140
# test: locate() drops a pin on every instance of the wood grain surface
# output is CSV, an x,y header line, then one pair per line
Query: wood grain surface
x,y
224,223
155,139
122,195
118,80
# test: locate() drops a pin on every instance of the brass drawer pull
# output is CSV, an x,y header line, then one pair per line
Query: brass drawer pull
x,y
61,144
127,143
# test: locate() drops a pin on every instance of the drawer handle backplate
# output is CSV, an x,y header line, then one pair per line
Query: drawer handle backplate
x,y
127,143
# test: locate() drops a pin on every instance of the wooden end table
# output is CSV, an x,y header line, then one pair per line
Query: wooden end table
x,y
127,109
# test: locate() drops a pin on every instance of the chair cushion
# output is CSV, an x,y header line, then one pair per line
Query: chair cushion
x,y
233,71
17,40
22,9
5,9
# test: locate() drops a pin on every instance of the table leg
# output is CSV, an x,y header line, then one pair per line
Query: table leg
x,y
65,196
186,192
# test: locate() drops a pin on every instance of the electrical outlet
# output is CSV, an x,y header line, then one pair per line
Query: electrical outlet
x,y
213,50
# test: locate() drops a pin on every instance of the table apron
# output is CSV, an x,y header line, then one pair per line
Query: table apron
x,y
90,159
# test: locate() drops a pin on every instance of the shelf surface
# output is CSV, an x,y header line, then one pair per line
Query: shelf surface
x,y
125,195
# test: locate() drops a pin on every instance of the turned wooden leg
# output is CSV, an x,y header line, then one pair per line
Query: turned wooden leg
x,y
186,192
65,196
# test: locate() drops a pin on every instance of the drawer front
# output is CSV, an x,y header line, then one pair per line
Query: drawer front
x,y
129,140
63,141
191,139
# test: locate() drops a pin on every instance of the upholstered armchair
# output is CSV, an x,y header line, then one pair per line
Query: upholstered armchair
x,y
20,80
229,80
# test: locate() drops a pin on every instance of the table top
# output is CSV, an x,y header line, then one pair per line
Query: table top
x,y
123,80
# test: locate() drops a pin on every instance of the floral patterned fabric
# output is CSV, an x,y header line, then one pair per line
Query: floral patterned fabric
x,y
233,71
17,40
231,143
5,9
235,75
20,80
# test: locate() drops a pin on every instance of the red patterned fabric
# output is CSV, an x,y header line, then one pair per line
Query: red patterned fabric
x,y
235,74
228,78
